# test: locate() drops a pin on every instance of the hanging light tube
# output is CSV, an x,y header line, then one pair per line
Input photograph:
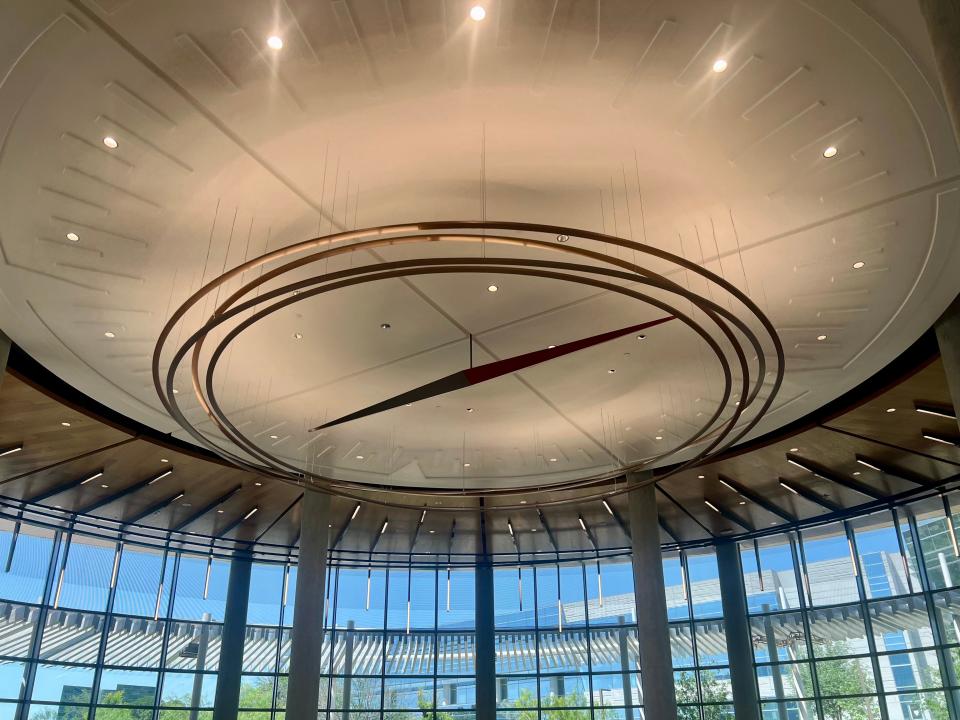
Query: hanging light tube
x,y
788,487
728,485
510,528
286,583
11,450
161,476
606,505
599,583
867,464
683,576
206,579
583,525
250,513
800,465
156,609
56,598
383,529
853,556
935,411
519,582
711,506
369,571
116,565
355,511
448,588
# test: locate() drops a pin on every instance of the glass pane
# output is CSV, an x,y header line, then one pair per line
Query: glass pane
x,y
939,556
16,629
513,597
548,602
86,578
266,591
358,602
409,654
618,607
361,693
358,652
188,690
558,691
910,671
138,581
456,653
125,687
260,649
256,691
564,652
830,571
194,646
838,631
901,623
517,692
850,676
778,637
57,712
31,559
572,595
56,683
461,591
776,587
711,643
673,576
134,641
516,653
69,634
11,677
715,685
681,645
884,567
189,602
779,682
704,583
407,693
614,650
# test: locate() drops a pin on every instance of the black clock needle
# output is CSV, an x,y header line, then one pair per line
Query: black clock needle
x,y
489,371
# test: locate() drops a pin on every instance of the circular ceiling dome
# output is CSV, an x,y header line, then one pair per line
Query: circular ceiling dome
x,y
147,149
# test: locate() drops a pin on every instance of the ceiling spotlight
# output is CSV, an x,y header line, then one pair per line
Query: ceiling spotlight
x,y
550,347
469,409
65,424
821,337
275,42
611,371
523,502
384,326
176,391
298,336
110,334
359,457
858,264
274,437
553,459
220,512
73,237
701,477
562,238
659,437
104,486
794,449
719,65
258,484
492,288
890,410
111,142
466,464
477,13
641,337
830,152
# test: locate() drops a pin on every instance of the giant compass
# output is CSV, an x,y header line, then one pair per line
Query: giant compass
x,y
470,413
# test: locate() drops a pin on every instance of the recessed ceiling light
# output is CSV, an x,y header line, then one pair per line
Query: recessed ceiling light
x,y
794,449
644,337
477,13
104,486
274,437
719,65
701,477
743,502
258,484
431,531
830,152
109,334
821,337
359,457
523,502
492,288
611,371
858,264
176,392
466,464
111,142
469,409
298,336
659,437
562,238
220,512
553,459
891,409
186,504
533,529
856,472
550,347
384,326
73,237
65,423
275,42
164,460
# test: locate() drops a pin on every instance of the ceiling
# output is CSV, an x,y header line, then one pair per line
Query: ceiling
x,y
742,494
605,116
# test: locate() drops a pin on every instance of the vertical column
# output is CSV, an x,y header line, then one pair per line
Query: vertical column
x,y
202,646
772,653
348,670
746,701
943,24
227,700
4,354
625,675
948,337
303,688
656,664
486,650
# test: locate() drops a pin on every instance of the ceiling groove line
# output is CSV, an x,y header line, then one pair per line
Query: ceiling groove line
x,y
194,102
68,460
889,445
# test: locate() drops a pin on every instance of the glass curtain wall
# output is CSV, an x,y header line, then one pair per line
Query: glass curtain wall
x,y
849,621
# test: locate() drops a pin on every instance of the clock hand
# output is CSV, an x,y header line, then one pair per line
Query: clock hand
x,y
489,371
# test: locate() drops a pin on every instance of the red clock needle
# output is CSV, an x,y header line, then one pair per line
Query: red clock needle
x,y
489,371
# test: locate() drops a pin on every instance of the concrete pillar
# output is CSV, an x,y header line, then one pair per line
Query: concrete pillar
x,y
943,25
4,354
948,338
227,700
746,702
486,648
303,687
656,663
